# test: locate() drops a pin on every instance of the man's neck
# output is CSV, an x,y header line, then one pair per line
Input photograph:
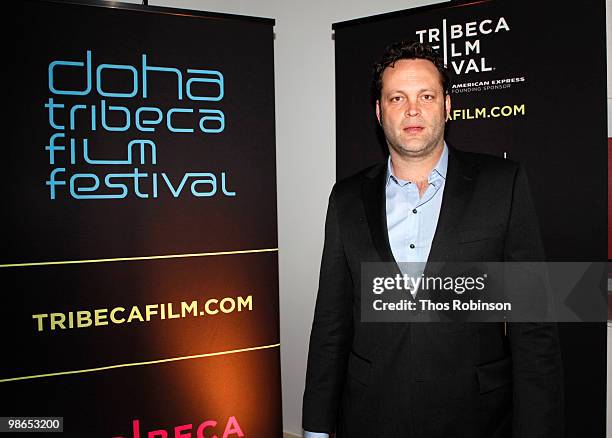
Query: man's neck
x,y
416,170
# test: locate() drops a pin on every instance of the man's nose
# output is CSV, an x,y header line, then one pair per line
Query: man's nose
x,y
412,108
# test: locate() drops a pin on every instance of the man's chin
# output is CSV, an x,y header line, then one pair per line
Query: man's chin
x,y
414,150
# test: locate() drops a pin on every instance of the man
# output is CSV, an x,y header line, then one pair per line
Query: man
x,y
429,202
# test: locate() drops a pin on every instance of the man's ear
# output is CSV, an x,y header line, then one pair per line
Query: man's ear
x,y
447,106
378,111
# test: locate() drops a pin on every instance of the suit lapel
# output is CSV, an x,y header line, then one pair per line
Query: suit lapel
x,y
458,189
374,204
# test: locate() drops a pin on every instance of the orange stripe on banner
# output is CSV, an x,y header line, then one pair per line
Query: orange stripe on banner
x,y
129,259
136,364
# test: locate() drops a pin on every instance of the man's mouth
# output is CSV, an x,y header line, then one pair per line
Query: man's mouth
x,y
413,129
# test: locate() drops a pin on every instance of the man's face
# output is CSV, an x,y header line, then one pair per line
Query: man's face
x,y
412,108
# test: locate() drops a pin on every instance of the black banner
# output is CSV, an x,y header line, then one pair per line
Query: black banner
x,y
529,85
140,259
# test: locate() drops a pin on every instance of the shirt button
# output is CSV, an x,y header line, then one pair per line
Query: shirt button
x,y
412,246
414,211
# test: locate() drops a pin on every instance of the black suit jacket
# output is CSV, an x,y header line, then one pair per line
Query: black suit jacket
x,y
431,379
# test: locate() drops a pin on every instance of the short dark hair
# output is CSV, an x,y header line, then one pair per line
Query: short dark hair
x,y
408,50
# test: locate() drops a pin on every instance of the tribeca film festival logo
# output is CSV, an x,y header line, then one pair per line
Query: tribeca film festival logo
x,y
65,113
461,43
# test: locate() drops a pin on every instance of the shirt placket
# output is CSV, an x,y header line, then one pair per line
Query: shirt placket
x,y
411,242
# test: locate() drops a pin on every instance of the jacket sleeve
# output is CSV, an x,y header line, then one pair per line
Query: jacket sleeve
x,y
536,355
332,332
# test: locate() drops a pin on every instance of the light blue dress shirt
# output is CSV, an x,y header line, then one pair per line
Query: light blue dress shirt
x,y
411,220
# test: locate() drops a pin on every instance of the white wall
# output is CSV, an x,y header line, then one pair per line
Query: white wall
x,y
305,133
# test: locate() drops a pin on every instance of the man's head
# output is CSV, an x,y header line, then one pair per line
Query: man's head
x,y
412,102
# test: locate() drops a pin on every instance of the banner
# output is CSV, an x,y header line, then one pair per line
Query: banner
x,y
140,257
529,84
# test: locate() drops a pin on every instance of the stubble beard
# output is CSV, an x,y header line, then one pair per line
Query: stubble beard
x,y
428,148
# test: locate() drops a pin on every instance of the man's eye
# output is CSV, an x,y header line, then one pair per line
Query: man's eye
x,y
428,97
396,98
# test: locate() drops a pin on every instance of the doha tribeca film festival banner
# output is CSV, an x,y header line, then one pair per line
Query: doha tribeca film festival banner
x,y
139,263
529,84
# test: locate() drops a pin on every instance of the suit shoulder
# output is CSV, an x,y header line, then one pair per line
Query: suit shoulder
x,y
351,185
486,161
488,167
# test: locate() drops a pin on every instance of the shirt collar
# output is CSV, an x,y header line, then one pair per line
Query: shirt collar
x,y
439,170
